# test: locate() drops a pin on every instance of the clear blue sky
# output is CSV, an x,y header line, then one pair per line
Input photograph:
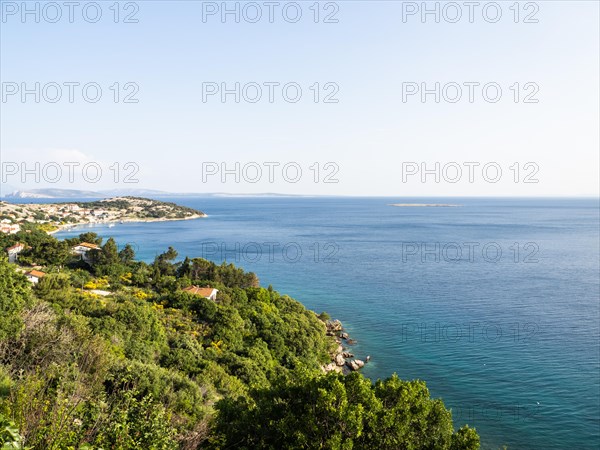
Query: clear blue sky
x,y
368,134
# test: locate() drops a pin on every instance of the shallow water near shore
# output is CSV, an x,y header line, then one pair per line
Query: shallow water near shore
x,y
494,303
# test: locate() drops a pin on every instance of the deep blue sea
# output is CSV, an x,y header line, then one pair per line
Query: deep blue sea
x,y
495,303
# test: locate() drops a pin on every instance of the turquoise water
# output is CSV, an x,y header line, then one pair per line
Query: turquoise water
x,y
506,331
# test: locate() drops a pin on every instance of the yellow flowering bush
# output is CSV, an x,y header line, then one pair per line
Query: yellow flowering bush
x,y
141,295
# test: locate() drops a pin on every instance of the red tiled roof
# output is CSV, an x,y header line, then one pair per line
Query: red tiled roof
x,y
88,245
16,246
35,273
204,291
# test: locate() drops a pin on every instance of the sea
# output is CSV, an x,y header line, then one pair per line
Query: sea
x,y
493,302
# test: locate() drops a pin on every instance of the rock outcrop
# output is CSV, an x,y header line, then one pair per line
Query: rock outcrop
x,y
355,364
332,367
333,327
339,358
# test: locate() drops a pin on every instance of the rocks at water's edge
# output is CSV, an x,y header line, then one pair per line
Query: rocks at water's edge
x,y
332,367
333,326
355,364
339,362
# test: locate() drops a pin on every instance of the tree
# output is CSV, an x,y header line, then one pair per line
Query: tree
x,y
52,253
79,277
106,259
465,438
110,253
54,288
14,294
185,268
90,237
43,248
337,412
169,255
127,254
162,263
202,269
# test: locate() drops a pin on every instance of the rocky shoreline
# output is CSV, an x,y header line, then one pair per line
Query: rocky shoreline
x,y
342,360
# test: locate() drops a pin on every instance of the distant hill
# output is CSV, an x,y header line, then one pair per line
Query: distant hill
x,y
54,193
75,193
135,192
79,194
75,212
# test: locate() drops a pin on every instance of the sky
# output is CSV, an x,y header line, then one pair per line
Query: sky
x,y
368,98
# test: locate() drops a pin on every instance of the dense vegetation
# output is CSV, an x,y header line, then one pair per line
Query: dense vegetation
x,y
153,367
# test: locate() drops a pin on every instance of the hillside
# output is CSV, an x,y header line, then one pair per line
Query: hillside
x,y
113,353
117,209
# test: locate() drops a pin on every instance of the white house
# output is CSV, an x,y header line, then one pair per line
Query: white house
x,y
34,276
13,252
206,292
10,228
83,248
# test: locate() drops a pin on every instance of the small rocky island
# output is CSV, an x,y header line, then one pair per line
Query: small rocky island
x,y
55,216
342,361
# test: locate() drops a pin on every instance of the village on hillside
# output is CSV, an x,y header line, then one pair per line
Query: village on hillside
x,y
54,216
51,217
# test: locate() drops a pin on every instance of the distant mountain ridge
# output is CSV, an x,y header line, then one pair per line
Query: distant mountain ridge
x,y
53,193
75,193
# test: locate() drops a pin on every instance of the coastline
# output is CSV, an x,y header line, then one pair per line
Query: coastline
x,y
342,360
68,226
